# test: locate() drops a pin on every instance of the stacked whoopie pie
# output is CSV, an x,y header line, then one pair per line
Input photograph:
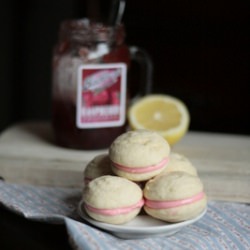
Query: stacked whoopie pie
x,y
138,172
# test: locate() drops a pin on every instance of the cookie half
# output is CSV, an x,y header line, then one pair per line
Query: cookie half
x,y
174,197
139,155
112,199
178,162
100,165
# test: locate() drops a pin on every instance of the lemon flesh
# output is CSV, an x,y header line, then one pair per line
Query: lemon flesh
x,y
162,113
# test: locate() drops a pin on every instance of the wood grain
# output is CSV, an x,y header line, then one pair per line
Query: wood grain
x,y
28,155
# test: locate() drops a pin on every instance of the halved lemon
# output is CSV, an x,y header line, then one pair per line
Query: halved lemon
x,y
164,114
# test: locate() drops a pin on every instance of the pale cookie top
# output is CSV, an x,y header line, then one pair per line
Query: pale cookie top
x,y
139,148
173,186
111,192
178,162
98,166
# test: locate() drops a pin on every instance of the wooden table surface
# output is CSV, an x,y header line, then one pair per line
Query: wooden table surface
x,y
28,155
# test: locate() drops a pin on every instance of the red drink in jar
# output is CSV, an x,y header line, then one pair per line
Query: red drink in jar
x,y
89,95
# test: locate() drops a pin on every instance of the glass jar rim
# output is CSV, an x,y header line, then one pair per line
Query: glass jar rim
x,y
77,29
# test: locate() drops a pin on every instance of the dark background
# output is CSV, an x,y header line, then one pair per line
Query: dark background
x,y
200,51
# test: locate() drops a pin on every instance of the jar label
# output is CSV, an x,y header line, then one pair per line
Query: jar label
x,y
101,95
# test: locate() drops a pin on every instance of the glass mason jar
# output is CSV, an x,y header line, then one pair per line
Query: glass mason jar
x,y
90,90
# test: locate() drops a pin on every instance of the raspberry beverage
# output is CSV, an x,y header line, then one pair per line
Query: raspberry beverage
x,y
89,98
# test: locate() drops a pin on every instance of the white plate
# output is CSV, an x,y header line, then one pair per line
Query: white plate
x,y
142,226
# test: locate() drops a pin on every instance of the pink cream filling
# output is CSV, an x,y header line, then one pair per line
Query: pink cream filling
x,y
115,211
170,204
150,168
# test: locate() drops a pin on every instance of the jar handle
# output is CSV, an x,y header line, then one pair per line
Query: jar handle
x,y
143,59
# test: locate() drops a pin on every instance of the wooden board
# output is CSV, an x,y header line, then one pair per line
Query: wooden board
x,y
28,155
